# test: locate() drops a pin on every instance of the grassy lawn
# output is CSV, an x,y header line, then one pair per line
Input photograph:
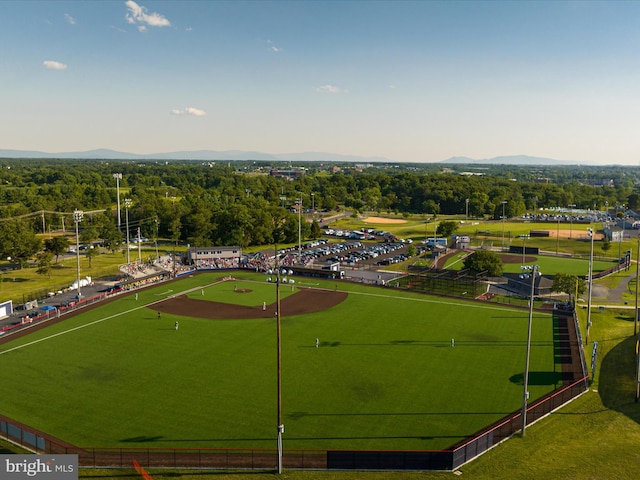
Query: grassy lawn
x,y
384,377
594,437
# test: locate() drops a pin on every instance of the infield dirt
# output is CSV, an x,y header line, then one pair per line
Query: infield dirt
x,y
306,300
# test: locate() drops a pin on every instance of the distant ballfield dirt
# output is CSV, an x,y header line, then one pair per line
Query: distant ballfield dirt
x,y
383,220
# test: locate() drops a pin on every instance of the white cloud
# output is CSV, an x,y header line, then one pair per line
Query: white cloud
x,y
331,89
70,19
273,48
138,15
196,112
53,65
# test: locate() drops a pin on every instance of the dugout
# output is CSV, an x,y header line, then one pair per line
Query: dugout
x,y
323,272
527,250
521,284
539,233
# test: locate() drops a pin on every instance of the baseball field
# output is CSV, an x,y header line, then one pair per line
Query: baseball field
x,y
192,363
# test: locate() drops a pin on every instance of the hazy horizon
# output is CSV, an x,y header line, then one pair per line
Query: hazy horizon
x,y
419,81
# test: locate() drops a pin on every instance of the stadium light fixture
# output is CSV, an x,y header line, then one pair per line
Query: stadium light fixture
x,y
504,202
280,425
635,317
571,206
525,237
534,272
118,177
77,218
590,285
635,328
127,205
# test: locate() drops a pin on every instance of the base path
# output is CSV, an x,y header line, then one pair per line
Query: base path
x,y
306,300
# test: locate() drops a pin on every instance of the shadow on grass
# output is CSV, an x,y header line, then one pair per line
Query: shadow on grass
x,y
537,378
9,279
616,379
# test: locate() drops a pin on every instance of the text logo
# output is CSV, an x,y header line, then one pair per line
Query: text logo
x,y
49,467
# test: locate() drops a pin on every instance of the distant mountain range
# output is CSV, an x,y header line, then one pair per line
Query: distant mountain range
x,y
203,155
213,155
510,160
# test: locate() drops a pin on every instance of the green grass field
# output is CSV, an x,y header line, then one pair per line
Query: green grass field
x,y
384,377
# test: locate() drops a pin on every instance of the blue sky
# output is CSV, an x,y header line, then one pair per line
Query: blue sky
x,y
410,81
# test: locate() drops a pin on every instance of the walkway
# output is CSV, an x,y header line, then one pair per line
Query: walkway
x,y
615,294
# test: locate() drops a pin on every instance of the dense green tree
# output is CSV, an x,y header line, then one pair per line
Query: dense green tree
x,y
484,261
316,231
447,228
44,260
569,284
18,242
56,245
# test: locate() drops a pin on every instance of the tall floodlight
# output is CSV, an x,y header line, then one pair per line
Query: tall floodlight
x,y
622,235
635,316
524,248
635,328
571,219
118,177
156,239
534,272
504,202
175,235
590,285
466,210
557,234
77,218
299,202
127,204
280,425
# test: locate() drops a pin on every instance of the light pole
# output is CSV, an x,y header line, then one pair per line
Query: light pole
x,y
466,210
525,394
299,202
571,219
156,239
622,237
127,204
591,234
280,425
524,248
77,218
504,202
118,177
635,316
175,234
557,234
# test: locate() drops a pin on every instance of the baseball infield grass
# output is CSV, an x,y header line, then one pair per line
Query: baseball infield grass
x,y
384,375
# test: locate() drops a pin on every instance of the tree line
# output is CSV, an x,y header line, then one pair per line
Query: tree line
x,y
241,203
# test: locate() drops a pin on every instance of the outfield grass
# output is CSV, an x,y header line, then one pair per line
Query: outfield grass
x,y
595,437
384,377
